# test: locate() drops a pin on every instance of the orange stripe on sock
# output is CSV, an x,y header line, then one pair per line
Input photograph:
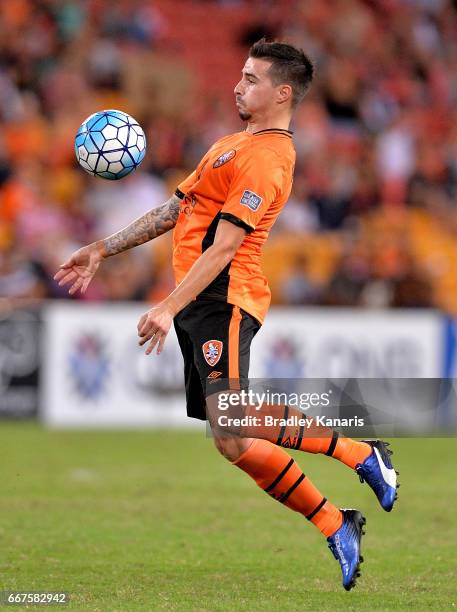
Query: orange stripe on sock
x,y
234,346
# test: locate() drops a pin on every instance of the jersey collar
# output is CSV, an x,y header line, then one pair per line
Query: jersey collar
x,y
274,131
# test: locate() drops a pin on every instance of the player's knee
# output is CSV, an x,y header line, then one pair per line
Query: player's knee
x,y
232,448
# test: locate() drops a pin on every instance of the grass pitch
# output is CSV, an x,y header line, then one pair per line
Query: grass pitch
x,y
159,521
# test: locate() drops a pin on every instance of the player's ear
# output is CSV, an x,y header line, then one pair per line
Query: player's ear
x,y
284,93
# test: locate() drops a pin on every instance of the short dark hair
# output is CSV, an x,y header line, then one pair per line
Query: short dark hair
x,y
288,65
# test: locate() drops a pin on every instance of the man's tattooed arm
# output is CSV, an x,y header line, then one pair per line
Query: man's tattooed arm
x,y
80,267
154,223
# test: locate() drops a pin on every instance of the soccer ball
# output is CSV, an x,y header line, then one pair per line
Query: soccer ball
x,y
110,144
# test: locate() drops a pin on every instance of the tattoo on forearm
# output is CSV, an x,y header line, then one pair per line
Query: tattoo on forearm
x,y
152,224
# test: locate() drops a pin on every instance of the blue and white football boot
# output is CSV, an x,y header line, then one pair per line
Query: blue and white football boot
x,y
345,546
377,471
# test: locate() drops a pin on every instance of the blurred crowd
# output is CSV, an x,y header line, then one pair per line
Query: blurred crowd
x,y
372,219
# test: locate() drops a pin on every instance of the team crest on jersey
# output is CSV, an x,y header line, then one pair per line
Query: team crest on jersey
x,y
212,351
224,158
251,200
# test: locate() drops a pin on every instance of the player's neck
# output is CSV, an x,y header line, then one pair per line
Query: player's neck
x,y
274,123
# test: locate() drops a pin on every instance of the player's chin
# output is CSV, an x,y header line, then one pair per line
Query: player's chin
x,y
244,116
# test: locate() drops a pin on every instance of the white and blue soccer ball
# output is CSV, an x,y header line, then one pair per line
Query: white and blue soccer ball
x,y
110,144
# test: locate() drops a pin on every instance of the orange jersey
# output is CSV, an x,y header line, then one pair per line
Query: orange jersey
x,y
245,179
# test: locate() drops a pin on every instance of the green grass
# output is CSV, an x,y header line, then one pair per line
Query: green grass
x,y
159,521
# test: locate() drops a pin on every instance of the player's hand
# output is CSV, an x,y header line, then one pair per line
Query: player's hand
x,y
154,325
80,268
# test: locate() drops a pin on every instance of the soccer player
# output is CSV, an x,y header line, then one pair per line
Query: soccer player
x,y
221,215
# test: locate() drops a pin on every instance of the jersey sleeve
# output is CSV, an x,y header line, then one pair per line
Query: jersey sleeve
x,y
186,184
256,184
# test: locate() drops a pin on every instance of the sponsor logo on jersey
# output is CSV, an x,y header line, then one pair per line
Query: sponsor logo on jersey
x,y
251,200
188,204
212,351
224,158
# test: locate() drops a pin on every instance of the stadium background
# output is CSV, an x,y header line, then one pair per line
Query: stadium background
x,y
376,138
370,226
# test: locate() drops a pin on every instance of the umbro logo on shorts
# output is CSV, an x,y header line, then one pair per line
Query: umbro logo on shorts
x,y
212,351
251,200
214,374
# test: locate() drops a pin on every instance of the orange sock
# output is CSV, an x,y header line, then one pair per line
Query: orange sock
x,y
348,451
316,439
279,476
